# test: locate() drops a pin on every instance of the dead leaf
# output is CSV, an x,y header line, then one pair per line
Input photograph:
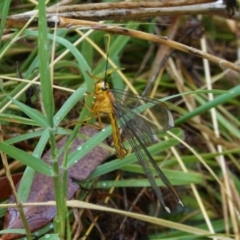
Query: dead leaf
x,y
5,189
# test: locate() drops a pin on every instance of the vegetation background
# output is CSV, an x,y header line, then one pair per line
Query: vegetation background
x,y
44,82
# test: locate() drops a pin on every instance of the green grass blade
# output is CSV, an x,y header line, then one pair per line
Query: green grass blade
x,y
217,101
35,115
5,7
26,159
29,173
49,237
17,119
175,177
88,146
44,65
16,231
68,105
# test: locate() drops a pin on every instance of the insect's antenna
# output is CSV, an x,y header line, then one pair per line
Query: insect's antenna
x,y
107,50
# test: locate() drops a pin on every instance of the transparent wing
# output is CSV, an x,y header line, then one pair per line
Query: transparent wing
x,y
139,127
138,149
148,115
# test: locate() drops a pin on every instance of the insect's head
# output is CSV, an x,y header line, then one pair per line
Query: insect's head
x,y
103,85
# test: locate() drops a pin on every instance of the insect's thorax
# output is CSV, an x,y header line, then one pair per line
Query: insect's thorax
x,y
103,97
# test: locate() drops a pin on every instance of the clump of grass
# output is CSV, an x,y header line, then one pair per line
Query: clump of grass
x,y
199,156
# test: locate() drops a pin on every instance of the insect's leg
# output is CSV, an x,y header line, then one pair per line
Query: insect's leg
x,y
90,110
74,123
99,121
92,126
99,127
89,118
94,112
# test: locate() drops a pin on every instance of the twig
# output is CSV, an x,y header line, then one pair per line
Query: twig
x,y
124,11
71,23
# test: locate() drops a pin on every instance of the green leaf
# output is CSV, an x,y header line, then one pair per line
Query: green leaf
x,y
27,159
44,65
50,237
17,119
68,105
233,93
16,231
35,134
29,173
175,177
35,115
214,91
5,7
88,146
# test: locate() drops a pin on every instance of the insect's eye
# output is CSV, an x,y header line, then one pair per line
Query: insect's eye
x,y
104,87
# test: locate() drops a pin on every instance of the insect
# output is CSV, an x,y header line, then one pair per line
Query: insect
x,y
135,116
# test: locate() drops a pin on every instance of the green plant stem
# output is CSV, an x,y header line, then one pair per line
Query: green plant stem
x,y
58,187
48,104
